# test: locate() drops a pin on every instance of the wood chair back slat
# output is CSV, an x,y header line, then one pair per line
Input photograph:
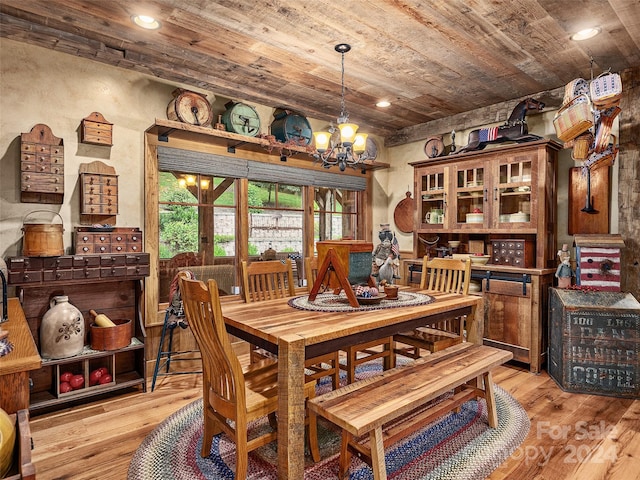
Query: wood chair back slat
x,y
310,271
447,275
267,280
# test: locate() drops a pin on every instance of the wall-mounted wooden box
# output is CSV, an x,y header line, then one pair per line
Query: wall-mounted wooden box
x,y
96,130
98,189
41,166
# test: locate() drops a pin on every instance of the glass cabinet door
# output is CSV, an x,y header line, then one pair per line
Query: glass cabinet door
x,y
512,196
432,184
470,197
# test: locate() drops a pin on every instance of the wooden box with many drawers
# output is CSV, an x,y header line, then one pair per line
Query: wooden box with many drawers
x,y
77,268
41,166
121,240
98,189
513,252
96,130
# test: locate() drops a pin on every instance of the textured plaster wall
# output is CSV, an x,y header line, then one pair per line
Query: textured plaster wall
x,y
59,90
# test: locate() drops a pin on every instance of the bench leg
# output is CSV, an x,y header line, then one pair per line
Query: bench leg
x,y
377,454
345,455
490,398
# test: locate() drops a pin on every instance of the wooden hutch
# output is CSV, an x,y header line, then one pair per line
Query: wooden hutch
x,y
504,201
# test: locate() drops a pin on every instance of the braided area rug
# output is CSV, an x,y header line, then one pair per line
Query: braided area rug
x,y
328,302
459,446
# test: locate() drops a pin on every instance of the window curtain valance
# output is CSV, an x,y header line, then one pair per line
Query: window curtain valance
x,y
188,161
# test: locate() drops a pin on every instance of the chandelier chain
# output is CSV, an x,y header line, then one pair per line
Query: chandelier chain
x,y
343,109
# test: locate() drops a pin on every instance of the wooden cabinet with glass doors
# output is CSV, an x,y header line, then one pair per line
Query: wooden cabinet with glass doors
x,y
486,198
504,192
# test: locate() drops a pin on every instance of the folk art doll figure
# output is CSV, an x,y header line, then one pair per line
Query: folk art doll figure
x,y
564,273
386,256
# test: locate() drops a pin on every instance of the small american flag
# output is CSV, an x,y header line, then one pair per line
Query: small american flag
x,y
395,247
488,134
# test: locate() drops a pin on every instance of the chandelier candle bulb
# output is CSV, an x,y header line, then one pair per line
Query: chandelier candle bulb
x,y
360,143
348,133
322,141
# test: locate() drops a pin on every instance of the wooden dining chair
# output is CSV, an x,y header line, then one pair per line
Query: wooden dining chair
x,y
233,397
438,275
273,279
310,271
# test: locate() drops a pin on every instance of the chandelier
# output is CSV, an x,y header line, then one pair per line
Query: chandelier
x,y
351,148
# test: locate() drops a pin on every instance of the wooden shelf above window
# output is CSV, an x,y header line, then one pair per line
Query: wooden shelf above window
x,y
235,143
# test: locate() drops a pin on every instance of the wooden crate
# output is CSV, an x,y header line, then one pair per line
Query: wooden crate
x,y
594,342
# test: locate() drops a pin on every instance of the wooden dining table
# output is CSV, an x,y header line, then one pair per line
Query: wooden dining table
x,y
294,334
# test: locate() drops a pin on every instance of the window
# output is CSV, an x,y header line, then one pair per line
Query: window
x,y
275,217
207,211
335,214
197,228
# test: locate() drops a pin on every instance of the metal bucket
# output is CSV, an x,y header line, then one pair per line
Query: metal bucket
x,y
42,239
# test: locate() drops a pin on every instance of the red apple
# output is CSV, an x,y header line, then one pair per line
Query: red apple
x,y
77,381
103,370
66,376
94,377
65,387
106,378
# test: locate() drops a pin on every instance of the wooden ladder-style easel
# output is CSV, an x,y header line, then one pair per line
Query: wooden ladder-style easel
x,y
334,271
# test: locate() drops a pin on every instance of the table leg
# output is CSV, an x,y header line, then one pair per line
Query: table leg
x,y
291,407
475,323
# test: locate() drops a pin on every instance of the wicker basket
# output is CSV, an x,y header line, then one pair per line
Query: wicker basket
x,y
111,338
606,90
574,118
573,89
582,146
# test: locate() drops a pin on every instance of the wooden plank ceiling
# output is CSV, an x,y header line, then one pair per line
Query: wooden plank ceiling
x,y
429,59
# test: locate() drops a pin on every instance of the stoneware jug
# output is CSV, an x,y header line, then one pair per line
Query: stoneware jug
x,y
62,329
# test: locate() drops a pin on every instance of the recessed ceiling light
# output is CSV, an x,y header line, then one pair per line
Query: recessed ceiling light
x,y
586,33
146,21
383,104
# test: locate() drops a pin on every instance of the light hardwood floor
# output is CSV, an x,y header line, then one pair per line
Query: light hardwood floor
x,y
572,436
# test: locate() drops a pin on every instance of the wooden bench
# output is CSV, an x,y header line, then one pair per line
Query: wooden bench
x,y
365,406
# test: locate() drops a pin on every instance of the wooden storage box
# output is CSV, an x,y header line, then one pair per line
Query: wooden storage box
x,y
598,261
111,338
41,166
513,252
96,130
594,341
87,240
